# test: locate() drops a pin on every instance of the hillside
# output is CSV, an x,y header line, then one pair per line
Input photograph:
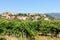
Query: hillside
x,y
55,15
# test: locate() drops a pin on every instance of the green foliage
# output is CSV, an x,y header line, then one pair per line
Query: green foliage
x,y
28,27
21,14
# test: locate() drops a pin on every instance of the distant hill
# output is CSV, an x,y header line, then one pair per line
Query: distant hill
x,y
55,15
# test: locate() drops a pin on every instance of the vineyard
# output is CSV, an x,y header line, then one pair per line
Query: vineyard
x,y
29,29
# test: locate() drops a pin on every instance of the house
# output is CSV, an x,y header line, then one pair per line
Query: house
x,y
12,17
43,15
6,15
46,18
22,17
36,17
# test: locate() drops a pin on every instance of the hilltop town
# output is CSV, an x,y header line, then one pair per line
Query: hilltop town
x,y
25,16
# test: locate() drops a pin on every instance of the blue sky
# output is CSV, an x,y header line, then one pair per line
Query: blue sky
x,y
41,6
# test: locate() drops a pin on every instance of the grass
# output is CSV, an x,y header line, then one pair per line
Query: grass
x,y
36,38
46,38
